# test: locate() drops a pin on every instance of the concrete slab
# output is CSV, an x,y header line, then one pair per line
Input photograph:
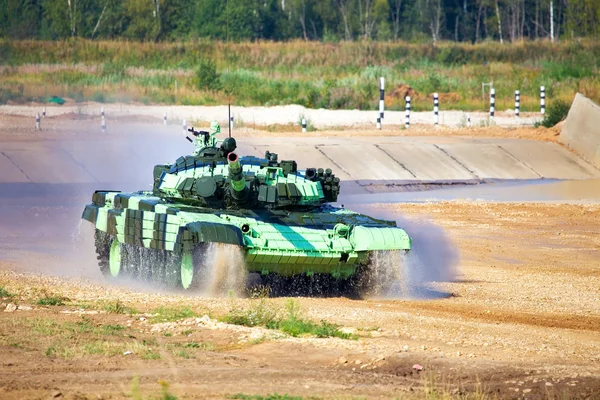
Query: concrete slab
x,y
110,162
367,163
550,160
427,162
9,171
581,130
488,161
48,165
364,166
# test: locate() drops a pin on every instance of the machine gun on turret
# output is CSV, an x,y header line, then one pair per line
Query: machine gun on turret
x,y
205,135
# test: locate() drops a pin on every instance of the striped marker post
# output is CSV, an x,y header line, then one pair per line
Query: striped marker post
x,y
492,103
378,122
103,125
102,112
165,118
303,125
44,113
469,120
184,126
542,99
231,122
517,103
381,96
38,124
407,112
436,109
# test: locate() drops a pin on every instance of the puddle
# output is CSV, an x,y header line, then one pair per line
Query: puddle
x,y
542,190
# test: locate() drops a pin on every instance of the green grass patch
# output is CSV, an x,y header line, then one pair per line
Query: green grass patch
x,y
183,354
136,391
52,301
150,355
117,307
5,293
274,396
288,320
112,329
202,345
172,314
556,112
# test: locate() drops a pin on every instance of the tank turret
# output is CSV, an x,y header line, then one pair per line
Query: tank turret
x,y
214,175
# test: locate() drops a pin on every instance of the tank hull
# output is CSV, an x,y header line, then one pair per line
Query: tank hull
x,y
325,240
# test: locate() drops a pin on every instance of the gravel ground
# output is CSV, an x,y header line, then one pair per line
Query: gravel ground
x,y
520,321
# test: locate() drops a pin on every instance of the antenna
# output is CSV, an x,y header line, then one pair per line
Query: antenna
x,y
227,47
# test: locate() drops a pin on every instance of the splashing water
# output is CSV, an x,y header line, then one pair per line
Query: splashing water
x,y
433,258
76,237
226,270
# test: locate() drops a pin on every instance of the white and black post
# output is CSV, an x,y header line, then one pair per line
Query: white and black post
x,y
184,126
231,122
436,109
378,122
165,118
407,112
102,111
38,124
381,96
542,100
44,113
492,103
303,125
517,103
103,125
469,120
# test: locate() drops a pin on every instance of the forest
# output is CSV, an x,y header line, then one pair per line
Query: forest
x,y
418,21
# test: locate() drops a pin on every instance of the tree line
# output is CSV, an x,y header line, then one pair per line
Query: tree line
x,y
280,20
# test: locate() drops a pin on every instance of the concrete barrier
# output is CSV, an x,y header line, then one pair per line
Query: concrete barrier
x,y
581,130
362,163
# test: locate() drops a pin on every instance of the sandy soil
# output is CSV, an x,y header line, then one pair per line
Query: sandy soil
x,y
521,321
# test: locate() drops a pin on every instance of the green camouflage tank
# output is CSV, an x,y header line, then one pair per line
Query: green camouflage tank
x,y
276,215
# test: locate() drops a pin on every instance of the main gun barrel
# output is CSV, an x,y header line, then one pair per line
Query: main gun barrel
x,y
236,177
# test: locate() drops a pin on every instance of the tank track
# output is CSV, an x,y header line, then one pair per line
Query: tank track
x,y
161,268
369,280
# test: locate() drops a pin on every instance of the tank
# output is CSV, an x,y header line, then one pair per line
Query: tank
x,y
278,219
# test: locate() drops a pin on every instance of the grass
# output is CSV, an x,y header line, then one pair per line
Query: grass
x,y
274,396
52,301
556,112
315,75
5,293
73,339
289,320
171,314
164,393
117,307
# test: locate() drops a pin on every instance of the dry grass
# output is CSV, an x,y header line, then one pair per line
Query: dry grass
x,y
327,75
